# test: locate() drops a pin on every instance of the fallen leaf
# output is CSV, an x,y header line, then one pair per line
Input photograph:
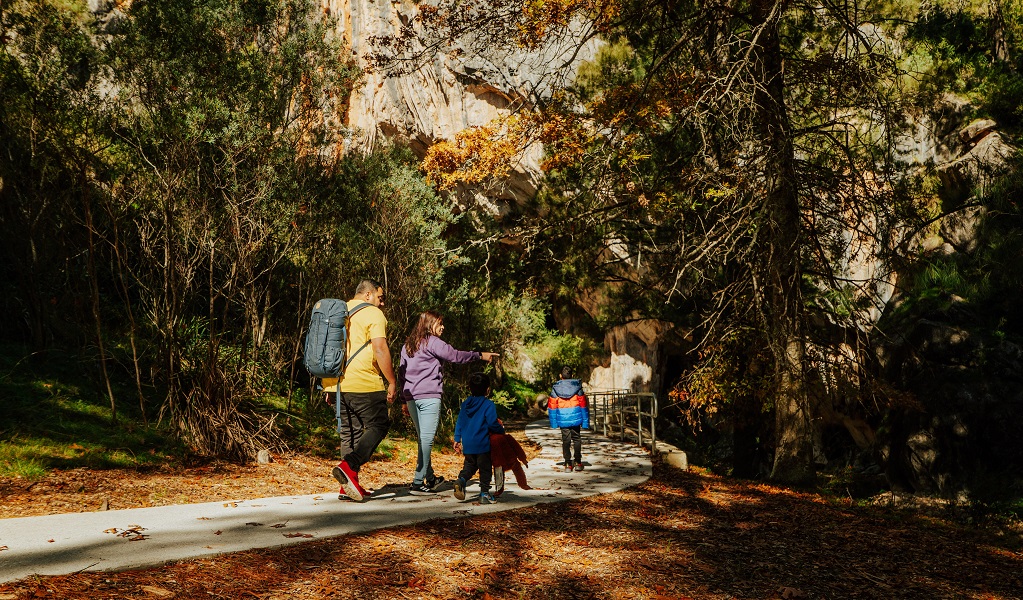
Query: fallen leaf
x,y
279,525
51,541
254,524
2,548
217,532
159,592
789,592
296,535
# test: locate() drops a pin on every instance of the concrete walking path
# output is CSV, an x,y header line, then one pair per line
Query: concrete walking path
x,y
143,537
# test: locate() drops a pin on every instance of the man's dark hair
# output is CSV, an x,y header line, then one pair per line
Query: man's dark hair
x,y
479,383
367,285
567,373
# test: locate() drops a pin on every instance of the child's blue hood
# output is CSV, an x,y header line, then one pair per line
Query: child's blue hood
x,y
472,405
566,388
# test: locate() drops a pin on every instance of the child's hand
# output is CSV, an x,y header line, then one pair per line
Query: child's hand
x,y
458,447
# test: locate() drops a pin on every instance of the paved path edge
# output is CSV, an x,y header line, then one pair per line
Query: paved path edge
x,y
145,537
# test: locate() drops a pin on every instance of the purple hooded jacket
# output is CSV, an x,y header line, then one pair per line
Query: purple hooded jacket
x,y
421,374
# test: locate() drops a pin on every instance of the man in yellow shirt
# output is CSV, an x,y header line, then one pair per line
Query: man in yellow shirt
x,y
363,396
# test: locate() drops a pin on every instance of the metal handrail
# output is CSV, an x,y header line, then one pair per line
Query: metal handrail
x,y
626,403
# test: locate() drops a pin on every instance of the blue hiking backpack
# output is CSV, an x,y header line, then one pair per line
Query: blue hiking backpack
x,y
326,341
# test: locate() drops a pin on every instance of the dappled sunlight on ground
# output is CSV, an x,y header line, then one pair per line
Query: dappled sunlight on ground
x,y
679,535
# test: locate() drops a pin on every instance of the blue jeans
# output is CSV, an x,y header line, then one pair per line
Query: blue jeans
x,y
425,414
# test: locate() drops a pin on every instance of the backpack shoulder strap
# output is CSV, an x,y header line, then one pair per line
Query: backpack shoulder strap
x,y
357,308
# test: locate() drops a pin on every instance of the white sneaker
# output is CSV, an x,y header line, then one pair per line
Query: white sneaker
x,y
498,481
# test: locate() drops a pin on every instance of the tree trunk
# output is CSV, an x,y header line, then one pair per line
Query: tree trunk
x,y
94,293
793,459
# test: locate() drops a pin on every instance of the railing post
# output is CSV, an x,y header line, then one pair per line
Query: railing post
x,y
653,423
621,416
603,411
639,419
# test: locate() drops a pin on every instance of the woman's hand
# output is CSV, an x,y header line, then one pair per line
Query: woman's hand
x,y
488,356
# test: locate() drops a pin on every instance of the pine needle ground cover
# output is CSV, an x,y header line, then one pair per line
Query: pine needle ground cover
x,y
679,535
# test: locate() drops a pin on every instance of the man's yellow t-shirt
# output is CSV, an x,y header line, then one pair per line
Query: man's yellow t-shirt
x,y
362,374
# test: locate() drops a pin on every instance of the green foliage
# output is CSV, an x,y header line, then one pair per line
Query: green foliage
x,y
615,64
219,202
48,119
519,394
552,351
503,399
50,420
971,49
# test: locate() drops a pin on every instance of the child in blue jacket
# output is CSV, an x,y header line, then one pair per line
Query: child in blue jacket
x,y
568,410
477,419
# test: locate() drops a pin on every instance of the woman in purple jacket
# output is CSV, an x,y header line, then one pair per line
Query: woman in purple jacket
x,y
422,384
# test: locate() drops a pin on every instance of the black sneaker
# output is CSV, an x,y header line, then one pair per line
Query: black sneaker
x,y
435,482
422,490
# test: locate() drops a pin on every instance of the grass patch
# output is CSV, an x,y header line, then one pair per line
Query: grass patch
x,y
54,416
397,448
48,423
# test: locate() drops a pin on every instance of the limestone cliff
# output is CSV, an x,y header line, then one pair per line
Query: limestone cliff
x,y
464,85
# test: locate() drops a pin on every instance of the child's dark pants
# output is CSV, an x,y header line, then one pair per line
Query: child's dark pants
x,y
571,438
481,463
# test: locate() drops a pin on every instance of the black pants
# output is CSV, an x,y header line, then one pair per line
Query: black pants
x,y
364,424
481,463
571,439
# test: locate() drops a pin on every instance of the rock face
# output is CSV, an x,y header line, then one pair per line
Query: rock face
x,y
462,87
986,157
635,358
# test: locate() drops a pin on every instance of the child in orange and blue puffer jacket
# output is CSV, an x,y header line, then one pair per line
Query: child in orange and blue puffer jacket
x,y
568,410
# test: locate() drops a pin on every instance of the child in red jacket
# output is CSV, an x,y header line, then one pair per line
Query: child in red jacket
x,y
568,410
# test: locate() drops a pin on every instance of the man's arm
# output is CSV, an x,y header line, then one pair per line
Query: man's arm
x,y
383,356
